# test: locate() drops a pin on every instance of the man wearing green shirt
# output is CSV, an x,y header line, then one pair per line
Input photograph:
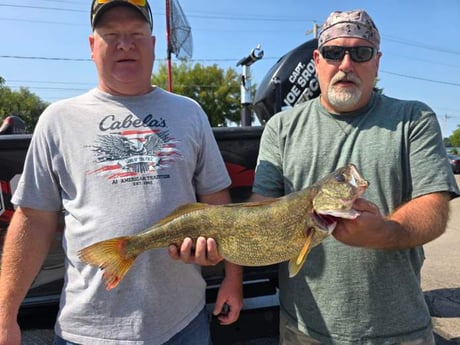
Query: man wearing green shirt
x,y
361,285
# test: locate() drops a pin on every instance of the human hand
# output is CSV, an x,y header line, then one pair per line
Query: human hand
x,y
229,301
367,230
203,253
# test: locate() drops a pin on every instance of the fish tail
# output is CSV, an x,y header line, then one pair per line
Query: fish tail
x,y
111,257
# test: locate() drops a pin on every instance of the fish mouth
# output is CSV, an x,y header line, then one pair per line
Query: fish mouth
x,y
325,222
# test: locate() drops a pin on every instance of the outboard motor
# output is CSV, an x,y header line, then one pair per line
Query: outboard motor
x,y
292,80
13,125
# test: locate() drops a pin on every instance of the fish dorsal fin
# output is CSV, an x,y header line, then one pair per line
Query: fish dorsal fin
x,y
296,263
182,210
252,203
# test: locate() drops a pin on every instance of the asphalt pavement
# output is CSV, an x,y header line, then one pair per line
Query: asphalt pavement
x,y
441,278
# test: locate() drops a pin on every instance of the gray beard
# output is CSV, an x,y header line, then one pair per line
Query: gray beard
x,y
343,100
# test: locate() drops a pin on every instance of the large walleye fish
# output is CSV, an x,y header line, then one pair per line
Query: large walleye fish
x,y
247,234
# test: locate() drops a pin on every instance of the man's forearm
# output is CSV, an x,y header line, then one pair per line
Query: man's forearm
x,y
233,271
26,245
419,221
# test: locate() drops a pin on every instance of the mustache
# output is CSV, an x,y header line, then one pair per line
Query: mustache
x,y
345,76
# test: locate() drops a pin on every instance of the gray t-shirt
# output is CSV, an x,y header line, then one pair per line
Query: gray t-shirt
x,y
350,295
116,165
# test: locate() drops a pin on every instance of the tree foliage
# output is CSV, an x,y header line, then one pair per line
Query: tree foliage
x,y
216,90
454,139
446,142
22,103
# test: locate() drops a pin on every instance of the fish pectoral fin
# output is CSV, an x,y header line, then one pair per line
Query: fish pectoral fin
x,y
296,263
184,209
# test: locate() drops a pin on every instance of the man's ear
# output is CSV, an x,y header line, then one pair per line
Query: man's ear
x,y
91,44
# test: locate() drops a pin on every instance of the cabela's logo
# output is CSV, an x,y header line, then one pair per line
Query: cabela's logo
x,y
131,153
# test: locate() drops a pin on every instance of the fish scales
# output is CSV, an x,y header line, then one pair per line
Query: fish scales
x,y
247,234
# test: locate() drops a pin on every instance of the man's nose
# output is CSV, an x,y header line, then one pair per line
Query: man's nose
x,y
125,42
346,65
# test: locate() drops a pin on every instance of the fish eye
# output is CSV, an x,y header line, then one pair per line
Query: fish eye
x,y
340,178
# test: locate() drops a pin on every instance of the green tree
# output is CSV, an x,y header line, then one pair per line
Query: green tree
x,y
447,142
216,90
22,103
454,139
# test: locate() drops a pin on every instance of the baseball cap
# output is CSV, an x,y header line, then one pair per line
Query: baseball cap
x,y
100,6
355,23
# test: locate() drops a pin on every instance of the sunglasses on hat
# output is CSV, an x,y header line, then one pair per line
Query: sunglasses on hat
x,y
357,54
134,2
99,6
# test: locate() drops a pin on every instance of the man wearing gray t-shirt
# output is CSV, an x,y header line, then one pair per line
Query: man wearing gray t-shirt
x,y
114,161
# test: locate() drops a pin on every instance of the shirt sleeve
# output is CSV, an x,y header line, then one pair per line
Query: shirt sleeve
x,y
269,180
38,186
211,174
429,165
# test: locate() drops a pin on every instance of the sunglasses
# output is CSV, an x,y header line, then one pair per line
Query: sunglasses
x,y
134,2
357,54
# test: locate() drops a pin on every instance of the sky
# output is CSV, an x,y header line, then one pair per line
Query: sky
x,y
44,43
